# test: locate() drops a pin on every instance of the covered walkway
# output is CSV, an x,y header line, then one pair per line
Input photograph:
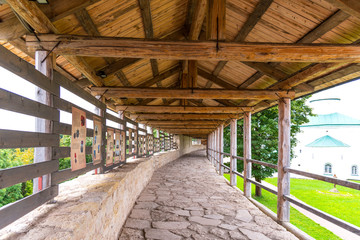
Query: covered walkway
x,y
187,199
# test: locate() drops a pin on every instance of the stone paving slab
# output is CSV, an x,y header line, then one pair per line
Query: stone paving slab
x,y
187,199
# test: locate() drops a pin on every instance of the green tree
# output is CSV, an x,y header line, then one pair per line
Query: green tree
x,y
264,137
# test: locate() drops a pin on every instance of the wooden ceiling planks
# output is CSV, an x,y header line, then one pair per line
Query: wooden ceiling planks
x,y
284,21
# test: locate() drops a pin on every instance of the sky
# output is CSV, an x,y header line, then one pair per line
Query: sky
x,y
349,100
348,104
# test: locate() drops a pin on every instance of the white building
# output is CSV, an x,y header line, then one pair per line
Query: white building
x,y
329,144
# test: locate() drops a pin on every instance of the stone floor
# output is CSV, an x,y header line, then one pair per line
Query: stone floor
x,y
186,199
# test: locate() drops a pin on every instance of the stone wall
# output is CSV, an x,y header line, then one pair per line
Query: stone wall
x,y
94,206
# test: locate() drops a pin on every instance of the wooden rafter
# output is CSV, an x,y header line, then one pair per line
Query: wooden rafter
x,y
183,109
192,93
30,12
250,23
351,7
328,24
178,116
201,50
160,77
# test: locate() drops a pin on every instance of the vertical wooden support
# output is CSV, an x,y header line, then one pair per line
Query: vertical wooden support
x,y
283,206
233,151
103,136
221,149
247,153
215,20
207,146
44,64
213,147
216,149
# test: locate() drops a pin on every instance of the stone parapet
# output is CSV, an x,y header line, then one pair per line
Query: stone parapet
x,y
93,206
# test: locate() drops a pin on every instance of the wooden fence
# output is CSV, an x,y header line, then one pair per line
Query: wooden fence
x,y
136,140
215,156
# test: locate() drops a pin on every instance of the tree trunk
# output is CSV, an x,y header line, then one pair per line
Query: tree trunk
x,y
257,188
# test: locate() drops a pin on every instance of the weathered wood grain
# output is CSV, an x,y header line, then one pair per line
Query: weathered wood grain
x,y
12,212
12,176
193,93
20,139
16,103
183,109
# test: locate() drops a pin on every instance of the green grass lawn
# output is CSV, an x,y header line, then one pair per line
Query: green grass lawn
x,y
296,218
344,205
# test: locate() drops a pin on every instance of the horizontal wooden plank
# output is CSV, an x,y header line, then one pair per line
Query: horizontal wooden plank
x,y
262,163
25,70
324,178
77,90
66,174
20,139
183,109
65,129
174,116
341,223
13,211
16,103
64,152
193,93
195,50
262,186
66,106
114,119
12,176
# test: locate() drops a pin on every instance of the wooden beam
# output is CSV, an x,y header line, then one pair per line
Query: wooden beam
x,y
351,7
183,109
184,122
11,29
154,116
201,50
215,20
331,22
198,17
212,78
116,66
250,23
267,69
192,93
160,77
31,13
184,127
324,27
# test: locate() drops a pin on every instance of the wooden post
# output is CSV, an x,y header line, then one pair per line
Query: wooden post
x,y
233,151
283,206
247,153
221,149
44,64
217,160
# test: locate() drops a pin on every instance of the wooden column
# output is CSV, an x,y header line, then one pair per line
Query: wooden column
x,y
283,206
233,151
221,148
216,149
247,153
44,64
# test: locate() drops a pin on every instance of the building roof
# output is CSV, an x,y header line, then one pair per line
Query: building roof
x,y
333,119
327,141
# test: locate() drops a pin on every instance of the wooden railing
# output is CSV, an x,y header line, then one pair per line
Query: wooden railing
x,y
139,141
213,156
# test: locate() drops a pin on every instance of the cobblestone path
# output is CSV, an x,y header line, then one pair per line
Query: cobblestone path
x,y
187,199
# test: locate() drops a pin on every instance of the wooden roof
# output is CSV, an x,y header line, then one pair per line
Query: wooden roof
x,y
210,60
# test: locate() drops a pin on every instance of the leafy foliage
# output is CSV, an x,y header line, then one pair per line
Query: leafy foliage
x,y
12,158
264,136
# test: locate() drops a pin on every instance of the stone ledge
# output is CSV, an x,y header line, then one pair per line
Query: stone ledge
x,y
91,205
